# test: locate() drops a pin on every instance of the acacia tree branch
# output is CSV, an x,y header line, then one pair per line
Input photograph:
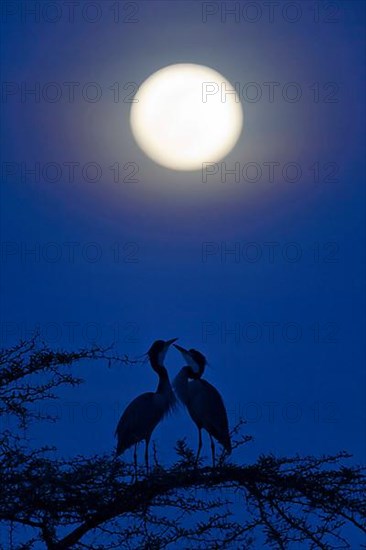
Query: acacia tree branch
x,y
31,372
254,480
290,500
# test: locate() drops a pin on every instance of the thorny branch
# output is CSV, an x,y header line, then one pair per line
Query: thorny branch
x,y
95,502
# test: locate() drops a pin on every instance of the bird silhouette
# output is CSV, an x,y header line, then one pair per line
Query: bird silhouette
x,y
144,413
202,400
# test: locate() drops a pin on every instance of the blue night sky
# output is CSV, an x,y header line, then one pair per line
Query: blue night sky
x,y
281,321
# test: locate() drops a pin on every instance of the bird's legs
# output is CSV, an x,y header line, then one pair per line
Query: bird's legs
x,y
147,440
135,460
199,444
212,451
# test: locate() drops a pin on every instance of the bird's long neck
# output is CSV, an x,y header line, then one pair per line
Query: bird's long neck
x,y
164,382
180,385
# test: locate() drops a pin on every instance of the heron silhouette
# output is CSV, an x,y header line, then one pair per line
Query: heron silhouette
x,y
144,413
202,400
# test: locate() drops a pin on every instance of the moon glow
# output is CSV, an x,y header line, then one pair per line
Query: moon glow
x,y
185,115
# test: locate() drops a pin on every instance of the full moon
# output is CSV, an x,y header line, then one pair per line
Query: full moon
x,y
185,115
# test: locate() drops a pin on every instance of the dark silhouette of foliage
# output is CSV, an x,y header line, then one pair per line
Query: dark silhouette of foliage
x,y
96,503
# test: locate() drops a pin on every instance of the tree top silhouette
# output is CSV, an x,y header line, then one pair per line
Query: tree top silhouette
x,y
94,502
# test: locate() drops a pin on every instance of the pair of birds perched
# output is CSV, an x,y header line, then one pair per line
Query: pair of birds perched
x,y
202,400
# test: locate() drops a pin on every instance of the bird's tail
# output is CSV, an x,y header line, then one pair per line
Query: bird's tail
x,y
120,448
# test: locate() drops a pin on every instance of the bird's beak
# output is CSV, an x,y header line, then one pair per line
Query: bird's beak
x,y
190,361
170,342
179,348
185,353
